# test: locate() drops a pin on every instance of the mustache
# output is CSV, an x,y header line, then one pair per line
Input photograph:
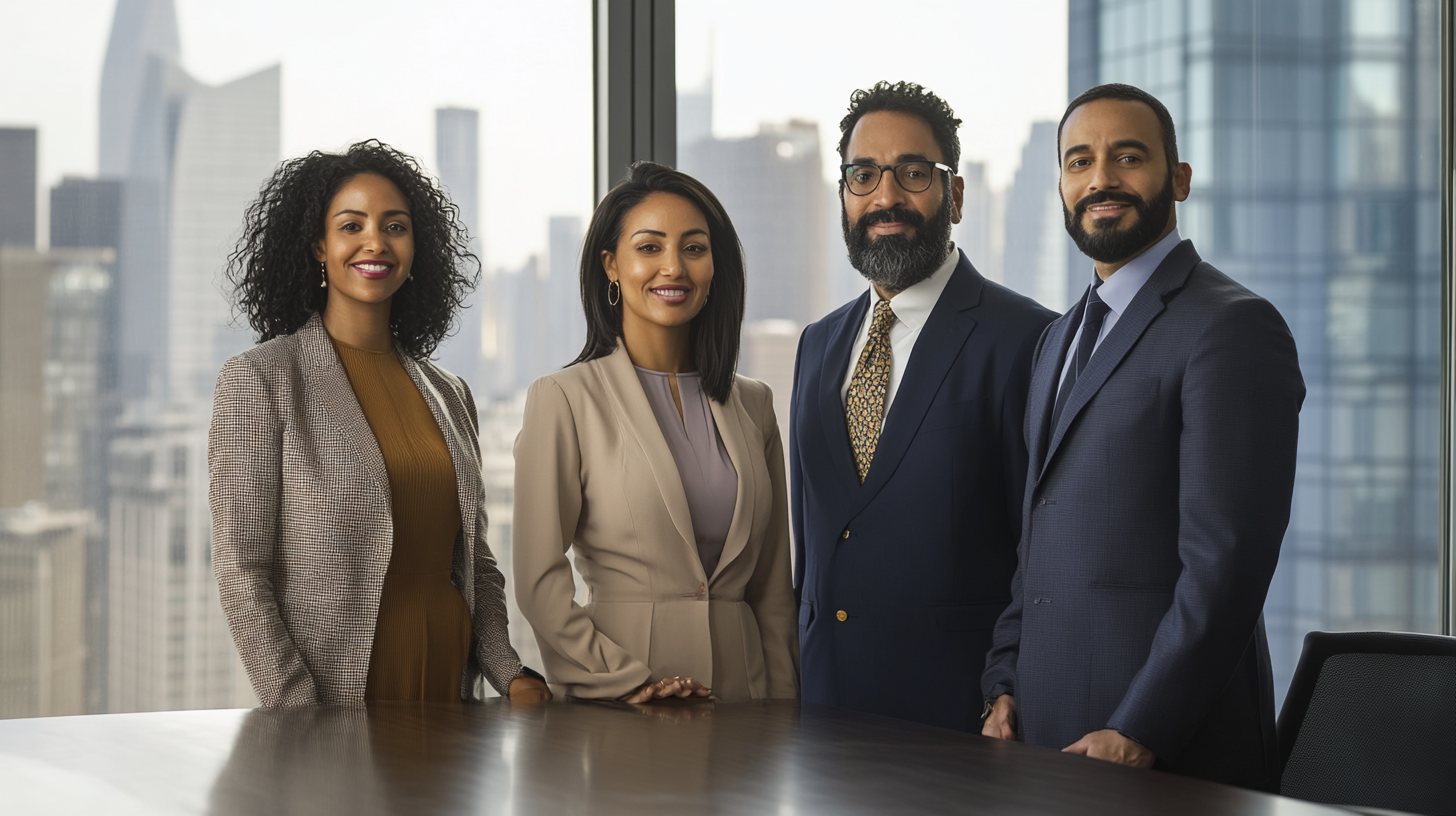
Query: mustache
x,y
1103,196
899,214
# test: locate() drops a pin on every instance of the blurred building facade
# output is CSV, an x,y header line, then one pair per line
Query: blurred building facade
x,y
42,611
1313,132
17,187
457,159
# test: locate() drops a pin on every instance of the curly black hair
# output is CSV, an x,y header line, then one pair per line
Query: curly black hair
x,y
275,277
905,97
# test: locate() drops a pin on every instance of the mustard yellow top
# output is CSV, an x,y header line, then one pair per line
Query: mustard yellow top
x,y
422,634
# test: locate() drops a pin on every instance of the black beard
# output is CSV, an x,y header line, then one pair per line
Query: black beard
x,y
1108,244
897,262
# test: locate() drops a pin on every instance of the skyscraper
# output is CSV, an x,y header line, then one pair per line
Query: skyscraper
x,y
1312,129
143,90
24,293
42,611
1034,259
457,154
17,187
227,144
980,232
772,185
567,324
86,213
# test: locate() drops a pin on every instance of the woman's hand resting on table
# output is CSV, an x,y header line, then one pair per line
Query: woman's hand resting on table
x,y
527,689
667,687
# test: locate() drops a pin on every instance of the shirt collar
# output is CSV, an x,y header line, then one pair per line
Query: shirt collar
x,y
1119,290
912,306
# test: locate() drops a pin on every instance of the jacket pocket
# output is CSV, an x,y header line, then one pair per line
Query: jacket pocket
x,y
969,617
806,614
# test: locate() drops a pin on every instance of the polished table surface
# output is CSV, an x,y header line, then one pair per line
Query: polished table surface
x,y
567,757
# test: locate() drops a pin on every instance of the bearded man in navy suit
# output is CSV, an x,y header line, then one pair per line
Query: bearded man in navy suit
x,y
1162,425
906,455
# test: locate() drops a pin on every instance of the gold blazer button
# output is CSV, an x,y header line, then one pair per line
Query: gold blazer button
x,y
845,535
842,615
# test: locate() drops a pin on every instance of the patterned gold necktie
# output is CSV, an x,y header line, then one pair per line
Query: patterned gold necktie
x,y
864,406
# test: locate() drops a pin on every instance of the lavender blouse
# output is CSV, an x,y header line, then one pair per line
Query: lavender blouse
x,y
708,476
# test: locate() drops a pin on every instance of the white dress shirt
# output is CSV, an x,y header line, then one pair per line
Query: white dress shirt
x,y
1119,290
912,308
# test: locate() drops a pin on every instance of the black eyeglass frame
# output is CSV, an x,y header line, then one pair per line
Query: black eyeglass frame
x,y
894,171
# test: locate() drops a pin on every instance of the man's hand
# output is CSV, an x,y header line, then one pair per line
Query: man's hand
x,y
1001,722
1110,746
527,689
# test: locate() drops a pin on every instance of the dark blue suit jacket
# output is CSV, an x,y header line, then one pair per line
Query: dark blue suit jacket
x,y
919,558
1153,518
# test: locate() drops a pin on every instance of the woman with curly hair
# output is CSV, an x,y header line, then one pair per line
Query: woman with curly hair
x,y
661,468
348,516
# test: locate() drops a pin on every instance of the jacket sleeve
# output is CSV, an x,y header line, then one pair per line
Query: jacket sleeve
x,y
1241,396
796,481
490,635
548,505
770,590
1000,675
244,460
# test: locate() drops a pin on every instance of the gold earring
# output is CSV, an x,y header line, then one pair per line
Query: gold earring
x,y
324,270
610,299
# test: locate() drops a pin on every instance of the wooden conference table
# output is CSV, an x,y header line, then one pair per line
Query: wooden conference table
x,y
567,757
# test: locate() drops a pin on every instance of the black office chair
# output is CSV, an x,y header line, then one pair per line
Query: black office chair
x,y
1370,720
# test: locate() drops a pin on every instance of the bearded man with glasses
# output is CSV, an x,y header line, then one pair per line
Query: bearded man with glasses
x,y
906,456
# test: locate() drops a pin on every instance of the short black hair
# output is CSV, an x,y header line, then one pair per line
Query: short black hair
x,y
1126,93
905,97
275,276
714,333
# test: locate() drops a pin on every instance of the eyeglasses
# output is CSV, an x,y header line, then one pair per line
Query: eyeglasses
x,y
913,177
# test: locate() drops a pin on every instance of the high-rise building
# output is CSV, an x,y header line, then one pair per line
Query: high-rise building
x,y
226,145
457,156
1034,255
25,277
86,213
567,332
17,186
143,90
42,611
169,643
772,186
980,232
1313,133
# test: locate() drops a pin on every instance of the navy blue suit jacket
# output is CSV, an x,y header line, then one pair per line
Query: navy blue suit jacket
x,y
1153,518
919,558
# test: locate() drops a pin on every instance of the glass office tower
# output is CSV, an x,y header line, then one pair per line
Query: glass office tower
x,y
1312,129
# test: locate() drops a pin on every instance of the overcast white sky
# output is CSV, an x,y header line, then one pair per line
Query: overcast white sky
x,y
375,68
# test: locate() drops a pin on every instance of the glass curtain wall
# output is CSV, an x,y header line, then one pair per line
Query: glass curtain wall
x,y
132,135
1313,130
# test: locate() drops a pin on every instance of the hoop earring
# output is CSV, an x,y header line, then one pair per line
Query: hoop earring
x,y
610,299
324,270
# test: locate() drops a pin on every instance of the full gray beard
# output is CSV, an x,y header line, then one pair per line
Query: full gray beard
x,y
896,262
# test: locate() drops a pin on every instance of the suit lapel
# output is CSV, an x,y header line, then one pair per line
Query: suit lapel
x,y
832,371
329,382
1045,378
729,419
467,468
636,414
1149,302
936,348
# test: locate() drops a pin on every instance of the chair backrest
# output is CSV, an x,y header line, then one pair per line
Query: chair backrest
x,y
1370,719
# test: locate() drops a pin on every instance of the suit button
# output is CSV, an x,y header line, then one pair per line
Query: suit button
x,y
842,615
845,534
1041,502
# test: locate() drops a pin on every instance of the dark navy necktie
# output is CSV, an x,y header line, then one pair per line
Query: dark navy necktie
x,y
1092,318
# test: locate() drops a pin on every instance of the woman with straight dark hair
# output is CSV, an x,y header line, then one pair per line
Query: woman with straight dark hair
x,y
348,515
660,467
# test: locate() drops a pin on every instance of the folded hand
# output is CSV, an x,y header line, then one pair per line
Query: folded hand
x,y
668,687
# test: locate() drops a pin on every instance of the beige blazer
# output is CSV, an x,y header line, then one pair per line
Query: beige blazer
x,y
594,473
302,526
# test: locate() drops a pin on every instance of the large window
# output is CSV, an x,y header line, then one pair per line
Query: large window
x,y
134,134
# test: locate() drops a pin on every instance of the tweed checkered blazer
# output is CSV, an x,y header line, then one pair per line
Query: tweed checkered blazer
x,y
302,525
